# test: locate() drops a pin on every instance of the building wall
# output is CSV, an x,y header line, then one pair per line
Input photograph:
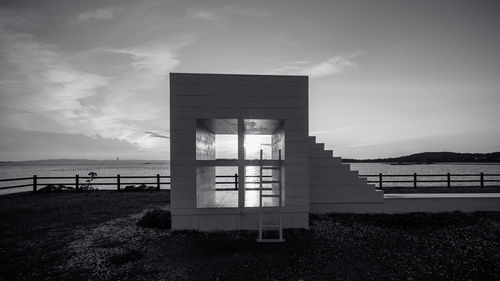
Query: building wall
x,y
332,182
215,96
432,203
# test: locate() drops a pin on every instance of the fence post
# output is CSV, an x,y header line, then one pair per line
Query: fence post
x,y
118,182
415,180
158,181
482,179
236,181
77,182
448,177
34,183
380,180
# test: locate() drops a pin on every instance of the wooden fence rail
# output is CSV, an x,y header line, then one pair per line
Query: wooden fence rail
x,y
230,182
447,180
119,181
78,182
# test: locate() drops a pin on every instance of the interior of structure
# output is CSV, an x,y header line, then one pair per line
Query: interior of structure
x,y
228,150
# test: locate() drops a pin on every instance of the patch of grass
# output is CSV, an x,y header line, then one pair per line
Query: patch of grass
x,y
125,257
35,229
109,246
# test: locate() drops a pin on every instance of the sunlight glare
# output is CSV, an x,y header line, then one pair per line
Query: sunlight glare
x,y
253,145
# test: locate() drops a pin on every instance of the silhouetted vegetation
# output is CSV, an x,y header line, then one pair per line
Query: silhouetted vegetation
x,y
88,183
156,219
141,187
56,188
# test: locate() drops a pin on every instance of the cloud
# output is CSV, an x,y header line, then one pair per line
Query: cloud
x,y
288,40
136,99
156,135
37,78
202,15
154,60
331,66
371,141
104,13
319,132
46,89
29,145
220,13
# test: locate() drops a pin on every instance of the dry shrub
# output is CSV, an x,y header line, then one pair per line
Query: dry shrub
x,y
156,219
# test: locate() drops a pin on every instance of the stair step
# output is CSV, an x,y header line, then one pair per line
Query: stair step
x,y
271,210
318,146
321,154
336,181
271,226
318,149
270,168
271,195
277,240
325,162
334,170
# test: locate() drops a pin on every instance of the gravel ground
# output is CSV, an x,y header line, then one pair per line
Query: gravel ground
x,y
107,245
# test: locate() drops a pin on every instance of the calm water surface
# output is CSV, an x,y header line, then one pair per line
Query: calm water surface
x,y
151,168
442,168
81,168
437,169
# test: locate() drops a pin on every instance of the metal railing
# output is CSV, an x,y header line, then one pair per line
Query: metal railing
x,y
448,180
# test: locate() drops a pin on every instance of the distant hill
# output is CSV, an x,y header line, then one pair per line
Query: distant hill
x,y
435,157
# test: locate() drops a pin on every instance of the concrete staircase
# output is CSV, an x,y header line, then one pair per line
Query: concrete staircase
x,y
332,182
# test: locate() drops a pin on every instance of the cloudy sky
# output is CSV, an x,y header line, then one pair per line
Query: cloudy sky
x,y
89,79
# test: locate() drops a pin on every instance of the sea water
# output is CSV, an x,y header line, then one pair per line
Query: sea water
x,y
70,168
490,170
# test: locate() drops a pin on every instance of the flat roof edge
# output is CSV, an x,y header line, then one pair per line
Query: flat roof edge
x,y
237,74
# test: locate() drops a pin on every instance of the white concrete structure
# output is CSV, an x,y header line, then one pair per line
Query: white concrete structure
x,y
205,108
418,202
